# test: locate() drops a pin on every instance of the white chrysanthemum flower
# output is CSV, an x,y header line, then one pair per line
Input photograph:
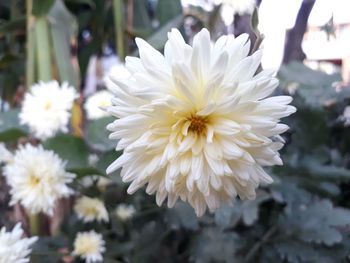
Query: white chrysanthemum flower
x,y
37,179
125,212
346,116
5,154
14,248
95,103
46,108
89,209
240,7
89,246
197,123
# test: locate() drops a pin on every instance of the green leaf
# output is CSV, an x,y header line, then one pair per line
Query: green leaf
x,y
296,251
10,128
313,88
213,245
97,134
318,222
141,17
106,159
7,59
255,21
159,38
250,208
247,210
90,3
12,25
64,27
182,214
82,172
228,216
42,7
167,10
70,148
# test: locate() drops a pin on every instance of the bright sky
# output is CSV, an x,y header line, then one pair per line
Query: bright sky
x,y
278,15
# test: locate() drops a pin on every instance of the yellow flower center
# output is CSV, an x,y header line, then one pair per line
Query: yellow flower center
x,y
104,104
47,106
34,180
198,124
86,246
91,211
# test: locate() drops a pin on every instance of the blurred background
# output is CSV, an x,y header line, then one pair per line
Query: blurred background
x,y
304,216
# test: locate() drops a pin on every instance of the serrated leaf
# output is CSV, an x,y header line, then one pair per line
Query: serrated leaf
x,y
318,222
182,214
228,215
296,251
250,208
213,245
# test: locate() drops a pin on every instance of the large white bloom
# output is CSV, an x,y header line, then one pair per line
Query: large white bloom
x,y
125,212
89,246
95,103
89,209
240,7
14,248
46,108
197,123
37,179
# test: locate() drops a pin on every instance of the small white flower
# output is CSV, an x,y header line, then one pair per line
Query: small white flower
x,y
346,116
89,209
240,7
124,212
14,248
197,123
5,155
102,182
89,246
46,108
37,179
95,104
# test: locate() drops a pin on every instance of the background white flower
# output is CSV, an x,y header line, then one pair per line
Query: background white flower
x,y
95,104
101,182
89,209
37,179
125,212
196,123
89,246
240,7
46,108
14,248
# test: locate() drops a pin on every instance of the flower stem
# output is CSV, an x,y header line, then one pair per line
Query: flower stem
x,y
118,12
34,224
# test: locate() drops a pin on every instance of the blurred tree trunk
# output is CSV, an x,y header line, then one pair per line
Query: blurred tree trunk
x,y
294,37
242,25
